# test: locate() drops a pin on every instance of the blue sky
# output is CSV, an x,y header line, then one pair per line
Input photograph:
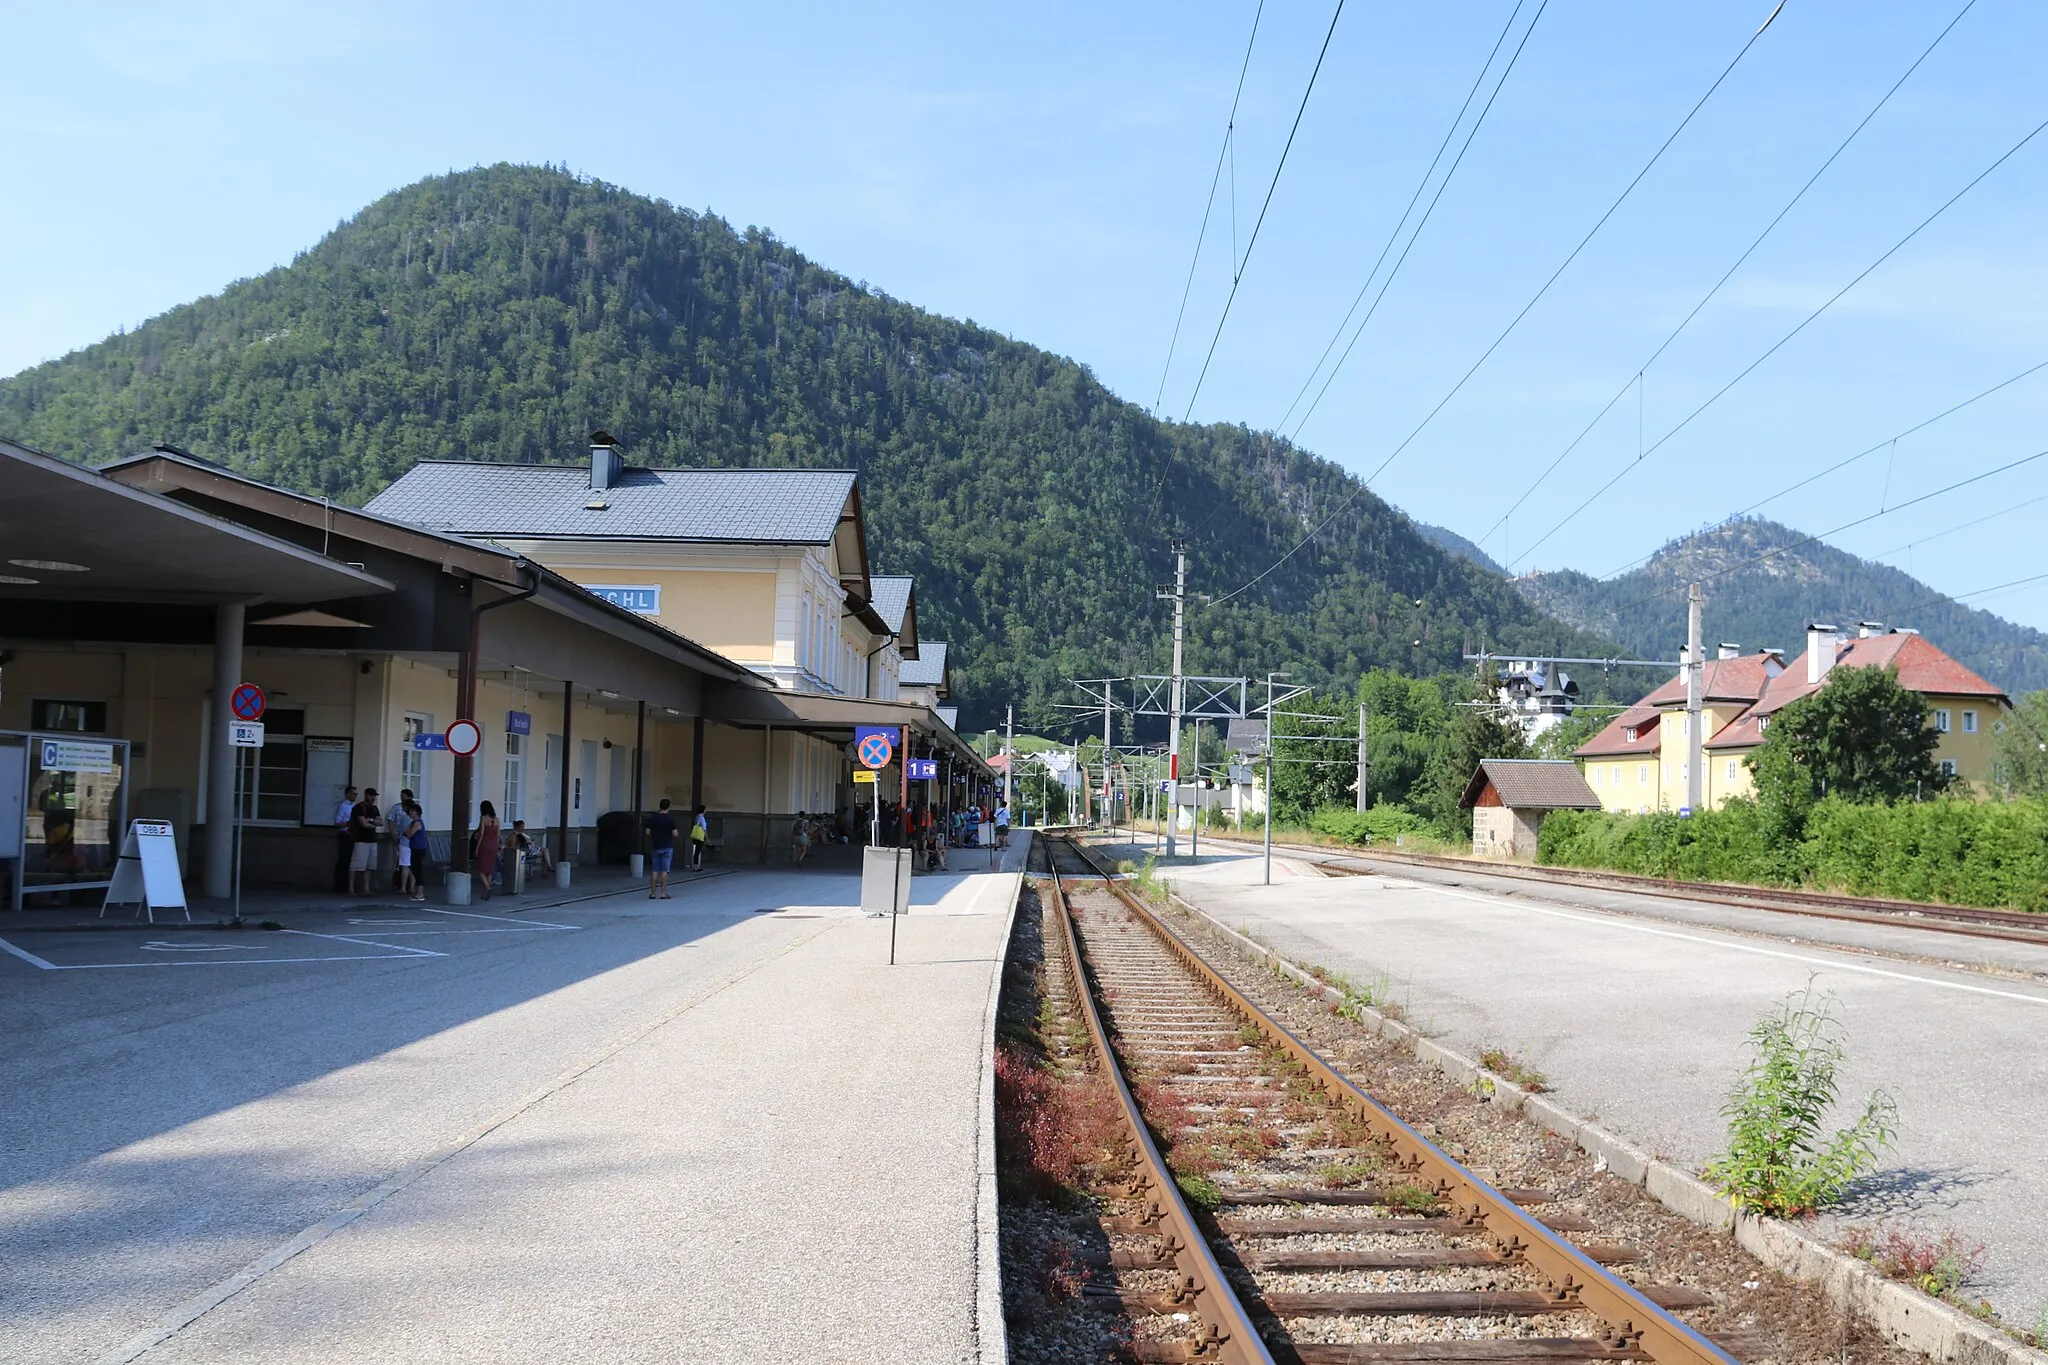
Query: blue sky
x,y
1042,170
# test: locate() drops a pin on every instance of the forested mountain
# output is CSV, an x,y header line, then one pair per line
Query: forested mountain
x,y
504,313
1763,602
1443,537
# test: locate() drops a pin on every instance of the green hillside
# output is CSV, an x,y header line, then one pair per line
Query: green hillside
x,y
504,313
1760,605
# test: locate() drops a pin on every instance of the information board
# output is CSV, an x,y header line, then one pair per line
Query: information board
x,y
147,872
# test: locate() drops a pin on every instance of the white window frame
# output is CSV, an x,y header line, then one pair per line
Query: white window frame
x,y
412,763
1941,719
1948,767
515,779
1969,722
1732,765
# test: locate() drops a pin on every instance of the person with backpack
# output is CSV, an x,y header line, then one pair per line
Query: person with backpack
x,y
416,842
700,835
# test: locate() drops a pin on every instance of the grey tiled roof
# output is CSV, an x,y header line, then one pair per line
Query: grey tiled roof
x,y
891,598
771,506
1534,784
928,669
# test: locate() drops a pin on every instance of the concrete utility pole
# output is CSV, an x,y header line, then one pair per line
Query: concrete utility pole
x,y
1108,800
1180,605
1010,748
1362,764
1695,675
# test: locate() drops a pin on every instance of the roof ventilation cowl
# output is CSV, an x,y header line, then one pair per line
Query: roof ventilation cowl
x,y
607,461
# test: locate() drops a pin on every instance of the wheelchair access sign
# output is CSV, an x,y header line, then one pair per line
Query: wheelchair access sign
x,y
874,745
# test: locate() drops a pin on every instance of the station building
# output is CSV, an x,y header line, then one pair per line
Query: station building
x,y
138,595
1640,762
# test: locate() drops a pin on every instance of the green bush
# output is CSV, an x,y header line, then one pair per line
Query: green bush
x,y
1778,1161
1381,824
1961,851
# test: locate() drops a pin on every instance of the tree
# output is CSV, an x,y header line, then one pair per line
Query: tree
x,y
2023,747
1563,740
1404,719
1479,728
1309,771
1861,738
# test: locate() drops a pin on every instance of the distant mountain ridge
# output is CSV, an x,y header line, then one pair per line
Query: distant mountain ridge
x,y
504,313
1769,603
1446,539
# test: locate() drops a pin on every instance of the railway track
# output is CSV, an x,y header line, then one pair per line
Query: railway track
x,y
1967,921
1341,1235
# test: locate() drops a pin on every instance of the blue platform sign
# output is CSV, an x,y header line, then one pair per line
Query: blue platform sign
x,y
922,769
430,741
518,723
874,745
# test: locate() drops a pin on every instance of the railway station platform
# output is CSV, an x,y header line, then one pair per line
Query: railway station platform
x,y
721,1127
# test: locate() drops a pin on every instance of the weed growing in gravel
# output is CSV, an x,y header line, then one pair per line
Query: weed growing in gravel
x,y
1777,1161
1411,1198
1200,1191
1063,1127
1502,1063
1338,1174
1934,1264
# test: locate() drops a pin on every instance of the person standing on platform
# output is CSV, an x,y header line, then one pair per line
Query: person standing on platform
x,y
416,840
362,852
344,836
700,835
483,862
661,851
404,881
1002,825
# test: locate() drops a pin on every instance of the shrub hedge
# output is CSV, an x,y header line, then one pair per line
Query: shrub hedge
x,y
1382,824
1961,851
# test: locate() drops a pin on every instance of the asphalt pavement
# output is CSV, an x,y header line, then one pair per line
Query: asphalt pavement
x,y
719,1127
1637,1013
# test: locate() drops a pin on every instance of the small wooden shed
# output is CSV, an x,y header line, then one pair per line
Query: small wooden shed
x,y
1509,797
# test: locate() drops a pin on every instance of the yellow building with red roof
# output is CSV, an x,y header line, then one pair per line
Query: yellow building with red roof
x,y
1639,762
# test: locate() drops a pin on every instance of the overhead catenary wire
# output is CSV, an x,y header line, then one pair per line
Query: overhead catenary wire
x,y
1836,467
1421,185
1238,267
1635,381
1775,346
1209,206
1612,208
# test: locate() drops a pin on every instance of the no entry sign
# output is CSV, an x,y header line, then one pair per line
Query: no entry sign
x,y
246,701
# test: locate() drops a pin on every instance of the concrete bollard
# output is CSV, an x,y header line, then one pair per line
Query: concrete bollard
x,y
458,887
637,864
562,875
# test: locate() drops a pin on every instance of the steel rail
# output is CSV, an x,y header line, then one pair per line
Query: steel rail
x,y
1575,1279
1232,1334
1967,921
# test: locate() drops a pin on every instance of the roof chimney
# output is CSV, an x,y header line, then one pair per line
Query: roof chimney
x,y
606,461
1820,651
1774,662
1866,629
1730,650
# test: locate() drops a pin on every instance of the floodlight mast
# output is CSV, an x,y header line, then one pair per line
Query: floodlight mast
x,y
1271,679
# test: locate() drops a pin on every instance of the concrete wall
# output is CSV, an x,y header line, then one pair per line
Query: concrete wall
x,y
1498,832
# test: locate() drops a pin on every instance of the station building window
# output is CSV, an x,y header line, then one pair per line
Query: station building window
x,y
515,779
1969,722
84,717
412,762
274,788
1941,719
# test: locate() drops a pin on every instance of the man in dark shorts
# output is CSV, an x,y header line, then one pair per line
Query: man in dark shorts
x,y
661,851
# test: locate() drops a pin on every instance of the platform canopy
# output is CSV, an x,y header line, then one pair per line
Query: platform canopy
x,y
71,533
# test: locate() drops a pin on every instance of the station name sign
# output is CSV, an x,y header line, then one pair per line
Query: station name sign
x,y
643,599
